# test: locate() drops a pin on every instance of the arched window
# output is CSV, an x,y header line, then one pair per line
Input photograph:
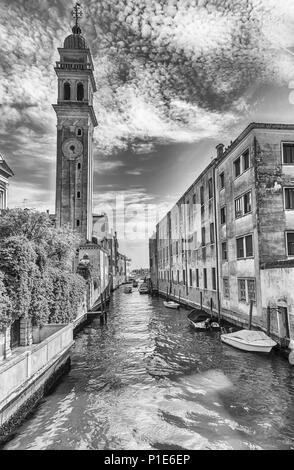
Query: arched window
x,y
79,194
66,91
79,166
79,132
80,92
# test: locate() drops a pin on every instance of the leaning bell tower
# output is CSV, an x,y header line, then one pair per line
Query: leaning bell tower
x,y
76,121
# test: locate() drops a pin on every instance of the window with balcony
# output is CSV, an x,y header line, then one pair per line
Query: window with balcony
x,y
202,199
191,278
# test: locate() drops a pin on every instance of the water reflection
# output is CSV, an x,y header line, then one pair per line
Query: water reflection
x,y
146,380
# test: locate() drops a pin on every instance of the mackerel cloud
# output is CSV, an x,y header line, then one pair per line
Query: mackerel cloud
x,y
169,70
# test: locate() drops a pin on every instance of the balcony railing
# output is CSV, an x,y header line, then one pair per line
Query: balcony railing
x,y
73,66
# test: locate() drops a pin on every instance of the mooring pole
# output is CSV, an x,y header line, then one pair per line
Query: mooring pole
x,y
211,307
268,320
250,315
200,300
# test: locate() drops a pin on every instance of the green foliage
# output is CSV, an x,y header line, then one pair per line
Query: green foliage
x,y
36,262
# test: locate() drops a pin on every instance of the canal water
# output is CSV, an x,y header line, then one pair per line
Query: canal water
x,y
146,380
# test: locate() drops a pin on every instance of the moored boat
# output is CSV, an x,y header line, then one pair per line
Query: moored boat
x,y
171,304
128,290
203,321
143,288
135,283
248,340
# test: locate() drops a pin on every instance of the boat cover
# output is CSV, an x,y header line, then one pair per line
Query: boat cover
x,y
250,336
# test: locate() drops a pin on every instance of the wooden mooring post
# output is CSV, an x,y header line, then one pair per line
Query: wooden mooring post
x,y
167,294
201,301
211,307
268,320
250,315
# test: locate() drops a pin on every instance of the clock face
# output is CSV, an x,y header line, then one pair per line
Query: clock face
x,y
72,148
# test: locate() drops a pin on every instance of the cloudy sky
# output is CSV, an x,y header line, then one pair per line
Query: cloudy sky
x,y
175,78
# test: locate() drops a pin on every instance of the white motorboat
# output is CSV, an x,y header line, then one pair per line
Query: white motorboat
x,y
248,340
171,304
143,288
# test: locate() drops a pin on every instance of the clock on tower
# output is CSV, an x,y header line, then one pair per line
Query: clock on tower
x,y
76,121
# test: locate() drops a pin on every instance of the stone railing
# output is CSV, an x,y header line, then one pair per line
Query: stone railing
x,y
27,363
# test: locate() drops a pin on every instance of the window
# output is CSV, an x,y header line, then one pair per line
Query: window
x,y
79,166
223,215
1,200
178,276
243,205
242,290
247,290
249,246
191,278
289,198
245,247
210,189
251,290
226,288
194,199
79,132
224,251
288,153
184,277
240,248
197,277
205,278
213,277
247,203
246,160
212,233
80,92
78,223
79,194
237,167
202,199
290,243
177,248
222,180
66,91
238,207
203,236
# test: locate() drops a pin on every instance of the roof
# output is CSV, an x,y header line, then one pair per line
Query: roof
x,y
4,168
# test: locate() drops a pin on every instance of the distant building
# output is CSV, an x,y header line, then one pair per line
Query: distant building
x,y
228,243
5,174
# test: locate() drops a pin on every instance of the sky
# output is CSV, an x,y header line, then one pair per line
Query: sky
x,y
174,79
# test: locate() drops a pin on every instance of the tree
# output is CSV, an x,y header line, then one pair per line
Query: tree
x,y
36,260
5,306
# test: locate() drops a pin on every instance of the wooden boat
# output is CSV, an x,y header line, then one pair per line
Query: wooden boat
x,y
248,340
203,321
128,290
171,304
143,288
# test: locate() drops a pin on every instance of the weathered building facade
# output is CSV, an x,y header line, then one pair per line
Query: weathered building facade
x,y
228,243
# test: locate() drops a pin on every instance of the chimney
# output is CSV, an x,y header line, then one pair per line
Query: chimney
x,y
220,150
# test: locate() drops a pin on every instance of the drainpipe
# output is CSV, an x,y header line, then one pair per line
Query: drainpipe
x,y
219,154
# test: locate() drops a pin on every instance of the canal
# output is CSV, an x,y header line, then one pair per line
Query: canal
x,y
146,380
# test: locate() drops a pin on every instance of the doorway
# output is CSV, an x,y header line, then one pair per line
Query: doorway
x,y
283,325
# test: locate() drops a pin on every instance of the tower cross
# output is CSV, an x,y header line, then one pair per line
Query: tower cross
x,y
77,12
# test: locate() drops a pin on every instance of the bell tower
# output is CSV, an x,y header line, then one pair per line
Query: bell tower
x,y
76,121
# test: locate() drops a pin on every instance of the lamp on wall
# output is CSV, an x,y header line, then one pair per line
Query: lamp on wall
x,y
277,187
